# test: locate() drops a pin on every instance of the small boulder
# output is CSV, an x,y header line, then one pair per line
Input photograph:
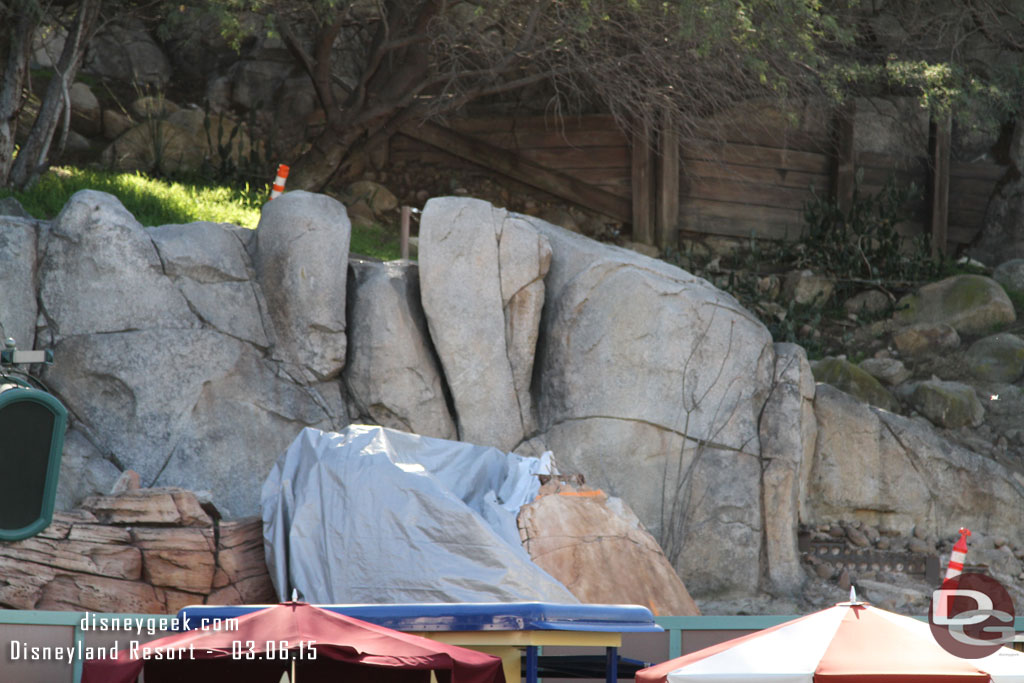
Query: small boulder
x,y
846,376
997,358
948,404
887,370
804,287
86,116
596,546
115,123
1010,275
971,304
870,302
376,198
923,339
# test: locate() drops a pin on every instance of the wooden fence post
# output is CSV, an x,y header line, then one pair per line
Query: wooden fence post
x,y
642,174
940,183
668,185
845,168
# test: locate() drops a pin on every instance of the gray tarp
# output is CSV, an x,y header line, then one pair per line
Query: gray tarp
x,y
375,515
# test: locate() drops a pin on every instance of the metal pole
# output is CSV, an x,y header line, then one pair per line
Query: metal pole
x,y
406,214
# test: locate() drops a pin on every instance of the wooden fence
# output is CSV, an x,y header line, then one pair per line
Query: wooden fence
x,y
753,178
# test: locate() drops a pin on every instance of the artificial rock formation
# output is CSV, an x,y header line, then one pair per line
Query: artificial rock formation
x,y
482,278
392,374
652,382
172,361
194,354
141,551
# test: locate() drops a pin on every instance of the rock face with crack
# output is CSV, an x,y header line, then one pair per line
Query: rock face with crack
x,y
162,341
652,384
481,273
392,374
194,353
896,472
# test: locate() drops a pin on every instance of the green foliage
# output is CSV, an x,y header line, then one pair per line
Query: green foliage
x,y
151,201
862,243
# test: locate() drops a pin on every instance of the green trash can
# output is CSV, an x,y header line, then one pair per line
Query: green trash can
x,y
32,425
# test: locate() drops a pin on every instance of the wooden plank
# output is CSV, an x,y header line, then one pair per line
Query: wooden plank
x,y
804,127
750,155
756,174
889,161
971,202
844,171
879,177
740,220
593,122
978,187
755,194
523,170
966,217
963,234
980,170
524,138
578,157
667,191
622,189
642,174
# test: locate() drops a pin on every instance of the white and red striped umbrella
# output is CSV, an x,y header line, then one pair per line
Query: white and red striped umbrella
x,y
850,643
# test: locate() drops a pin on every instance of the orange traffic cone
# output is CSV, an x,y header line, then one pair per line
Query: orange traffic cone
x,y
956,567
279,181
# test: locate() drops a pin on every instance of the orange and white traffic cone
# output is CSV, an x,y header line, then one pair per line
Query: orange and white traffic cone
x,y
957,558
279,181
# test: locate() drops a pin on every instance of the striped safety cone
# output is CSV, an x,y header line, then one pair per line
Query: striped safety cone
x,y
279,181
957,558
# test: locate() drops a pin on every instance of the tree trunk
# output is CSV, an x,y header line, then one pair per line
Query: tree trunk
x,y
18,45
33,158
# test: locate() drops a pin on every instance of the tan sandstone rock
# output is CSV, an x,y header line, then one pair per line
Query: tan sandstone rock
x,y
600,551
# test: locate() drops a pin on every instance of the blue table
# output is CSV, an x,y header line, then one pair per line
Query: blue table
x,y
504,629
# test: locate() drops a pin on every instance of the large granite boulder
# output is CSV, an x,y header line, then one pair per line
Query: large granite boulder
x,y
209,264
161,356
18,237
126,52
971,304
788,431
652,384
301,257
482,279
179,141
899,473
393,375
100,274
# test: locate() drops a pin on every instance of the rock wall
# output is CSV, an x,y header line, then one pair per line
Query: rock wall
x,y
193,354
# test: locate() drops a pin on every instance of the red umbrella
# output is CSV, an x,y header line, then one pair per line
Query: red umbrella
x,y
323,646
852,642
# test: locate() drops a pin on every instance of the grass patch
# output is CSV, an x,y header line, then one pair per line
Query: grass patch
x,y
161,202
151,201
376,240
